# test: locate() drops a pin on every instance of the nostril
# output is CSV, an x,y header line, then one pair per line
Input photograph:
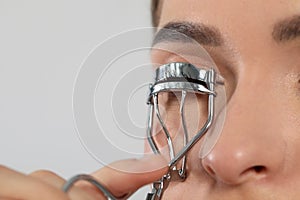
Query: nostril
x,y
259,169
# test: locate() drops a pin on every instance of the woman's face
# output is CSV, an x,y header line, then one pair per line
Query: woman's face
x,y
256,46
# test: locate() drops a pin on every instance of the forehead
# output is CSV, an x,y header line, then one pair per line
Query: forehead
x,y
234,11
233,17
245,25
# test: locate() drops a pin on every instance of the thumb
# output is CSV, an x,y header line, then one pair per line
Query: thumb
x,y
125,177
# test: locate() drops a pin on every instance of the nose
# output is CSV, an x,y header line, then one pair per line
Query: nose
x,y
250,147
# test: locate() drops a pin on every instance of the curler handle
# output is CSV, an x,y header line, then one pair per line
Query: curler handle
x,y
158,188
69,184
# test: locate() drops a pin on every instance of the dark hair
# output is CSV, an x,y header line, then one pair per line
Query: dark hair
x,y
155,11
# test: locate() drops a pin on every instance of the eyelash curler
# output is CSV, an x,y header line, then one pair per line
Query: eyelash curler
x,y
180,77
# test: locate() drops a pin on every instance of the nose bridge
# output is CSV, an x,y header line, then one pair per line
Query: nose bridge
x,y
251,102
248,147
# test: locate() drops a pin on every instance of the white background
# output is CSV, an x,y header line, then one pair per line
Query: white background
x,y
42,44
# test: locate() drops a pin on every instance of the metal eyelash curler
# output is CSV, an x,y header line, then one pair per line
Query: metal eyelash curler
x,y
185,78
180,77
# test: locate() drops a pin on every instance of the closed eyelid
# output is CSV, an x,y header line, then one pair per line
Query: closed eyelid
x,y
213,58
164,57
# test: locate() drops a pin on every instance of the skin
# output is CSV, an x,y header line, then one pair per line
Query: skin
x,y
46,185
257,154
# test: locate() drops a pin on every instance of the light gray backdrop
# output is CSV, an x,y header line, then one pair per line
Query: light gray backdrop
x,y
42,44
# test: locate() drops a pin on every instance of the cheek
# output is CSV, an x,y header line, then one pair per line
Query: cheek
x,y
288,112
291,132
290,176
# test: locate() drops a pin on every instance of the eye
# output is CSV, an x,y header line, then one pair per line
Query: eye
x,y
180,54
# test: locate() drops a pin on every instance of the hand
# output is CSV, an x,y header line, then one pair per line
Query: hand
x,y
47,185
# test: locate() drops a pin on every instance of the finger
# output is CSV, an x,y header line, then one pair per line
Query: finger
x,y
125,177
15,185
48,177
4,198
58,182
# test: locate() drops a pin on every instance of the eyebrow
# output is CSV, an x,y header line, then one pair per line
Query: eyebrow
x,y
284,30
287,29
187,32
